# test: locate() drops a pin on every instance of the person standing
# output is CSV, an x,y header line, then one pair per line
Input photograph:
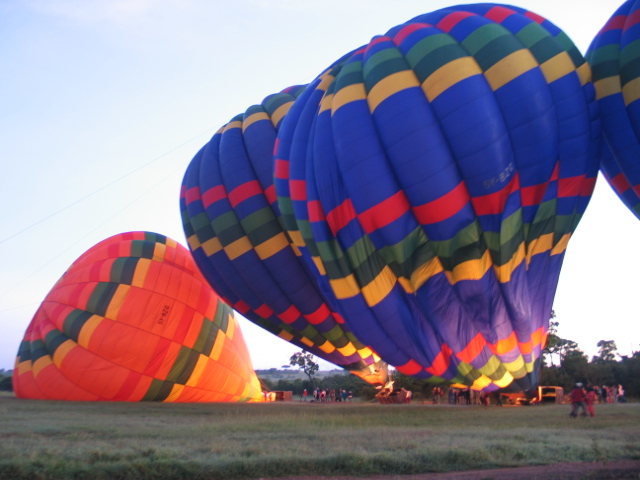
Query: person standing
x,y
590,399
577,397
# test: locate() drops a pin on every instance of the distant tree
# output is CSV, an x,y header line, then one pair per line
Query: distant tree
x,y
554,342
305,361
6,384
607,352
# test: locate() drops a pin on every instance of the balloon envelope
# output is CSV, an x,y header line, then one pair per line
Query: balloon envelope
x,y
613,55
434,177
234,231
133,319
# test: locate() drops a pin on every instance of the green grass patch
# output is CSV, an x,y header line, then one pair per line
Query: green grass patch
x,y
85,440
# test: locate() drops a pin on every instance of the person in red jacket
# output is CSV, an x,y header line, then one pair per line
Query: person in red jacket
x,y
577,398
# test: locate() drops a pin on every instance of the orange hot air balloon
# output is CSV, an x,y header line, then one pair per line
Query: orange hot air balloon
x,y
133,319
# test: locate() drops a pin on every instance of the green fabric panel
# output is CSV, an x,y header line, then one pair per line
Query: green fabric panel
x,y
567,45
350,74
53,340
483,36
24,351
629,71
199,223
207,330
534,33
38,350
158,391
382,64
545,50
496,50
436,59
74,322
101,297
225,225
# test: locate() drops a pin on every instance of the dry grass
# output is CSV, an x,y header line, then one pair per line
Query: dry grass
x,y
66,440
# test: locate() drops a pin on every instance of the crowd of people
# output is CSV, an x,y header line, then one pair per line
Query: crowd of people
x,y
323,395
584,398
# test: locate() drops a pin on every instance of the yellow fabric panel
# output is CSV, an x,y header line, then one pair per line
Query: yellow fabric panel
x,y
246,392
584,73
171,243
348,349
515,365
217,346
510,67
317,261
380,287
62,350
544,243
557,67
503,272
280,112
327,347
24,367
176,391
117,301
390,85
505,381
200,367
285,335
231,327
345,287
40,364
481,382
272,246
211,246
470,270
561,246
367,352
631,91
139,276
351,93
251,119
232,125
607,86
296,238
87,330
237,248
159,252
490,367
421,274
194,242
325,103
449,75
306,341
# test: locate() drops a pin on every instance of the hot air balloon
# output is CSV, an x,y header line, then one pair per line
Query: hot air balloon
x,y
434,179
133,319
613,55
234,231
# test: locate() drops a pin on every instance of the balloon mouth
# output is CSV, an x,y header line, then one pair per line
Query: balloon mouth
x,y
375,374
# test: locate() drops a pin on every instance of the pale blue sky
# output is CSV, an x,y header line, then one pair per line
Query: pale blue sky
x,y
103,103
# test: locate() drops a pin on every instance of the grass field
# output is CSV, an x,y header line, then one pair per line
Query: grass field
x,y
65,440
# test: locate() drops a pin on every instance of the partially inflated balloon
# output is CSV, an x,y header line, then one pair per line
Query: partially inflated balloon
x,y
133,319
433,180
614,55
233,229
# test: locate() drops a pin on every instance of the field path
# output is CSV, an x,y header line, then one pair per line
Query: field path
x,y
619,469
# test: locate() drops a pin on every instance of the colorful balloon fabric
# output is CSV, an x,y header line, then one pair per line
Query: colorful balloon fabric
x,y
433,180
613,56
233,229
133,319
